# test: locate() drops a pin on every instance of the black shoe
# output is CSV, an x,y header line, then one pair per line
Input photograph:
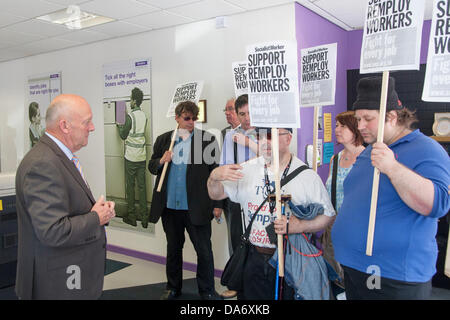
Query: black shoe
x,y
170,295
129,221
211,296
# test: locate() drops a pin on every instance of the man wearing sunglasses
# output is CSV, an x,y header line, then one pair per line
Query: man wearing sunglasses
x,y
183,203
249,183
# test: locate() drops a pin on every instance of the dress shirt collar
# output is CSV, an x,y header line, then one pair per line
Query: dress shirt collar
x,y
62,146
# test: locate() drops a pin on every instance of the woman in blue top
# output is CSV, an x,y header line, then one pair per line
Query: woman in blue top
x,y
347,134
412,196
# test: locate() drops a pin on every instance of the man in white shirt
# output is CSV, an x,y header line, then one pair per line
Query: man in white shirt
x,y
249,183
239,145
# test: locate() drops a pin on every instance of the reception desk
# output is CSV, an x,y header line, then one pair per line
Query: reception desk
x,y
8,230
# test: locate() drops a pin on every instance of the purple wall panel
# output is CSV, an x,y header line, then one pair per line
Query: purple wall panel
x,y
313,30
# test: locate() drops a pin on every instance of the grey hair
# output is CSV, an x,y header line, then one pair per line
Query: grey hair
x,y
55,111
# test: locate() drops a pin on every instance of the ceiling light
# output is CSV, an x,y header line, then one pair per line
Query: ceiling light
x,y
74,18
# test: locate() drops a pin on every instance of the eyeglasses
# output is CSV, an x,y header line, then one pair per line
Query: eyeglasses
x,y
190,118
268,135
228,109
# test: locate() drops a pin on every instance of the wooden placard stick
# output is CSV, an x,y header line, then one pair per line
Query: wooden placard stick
x,y
315,134
376,172
447,256
163,174
276,170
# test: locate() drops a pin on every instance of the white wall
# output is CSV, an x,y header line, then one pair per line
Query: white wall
x,y
196,51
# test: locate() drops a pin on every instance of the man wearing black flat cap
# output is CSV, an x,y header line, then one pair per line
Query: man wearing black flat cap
x,y
412,196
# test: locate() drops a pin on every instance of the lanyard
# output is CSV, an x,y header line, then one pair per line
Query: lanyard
x,y
267,186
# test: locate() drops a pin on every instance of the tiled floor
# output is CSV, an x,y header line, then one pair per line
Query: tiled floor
x,y
142,272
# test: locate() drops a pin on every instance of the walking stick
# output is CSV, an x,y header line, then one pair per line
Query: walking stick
x,y
278,283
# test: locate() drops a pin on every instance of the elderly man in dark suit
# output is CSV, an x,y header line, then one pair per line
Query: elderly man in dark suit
x,y
183,202
62,243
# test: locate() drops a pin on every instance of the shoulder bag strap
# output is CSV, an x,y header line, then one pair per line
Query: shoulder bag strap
x,y
283,182
333,180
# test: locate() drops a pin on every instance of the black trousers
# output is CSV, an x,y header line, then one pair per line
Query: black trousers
x,y
260,278
356,288
175,222
233,217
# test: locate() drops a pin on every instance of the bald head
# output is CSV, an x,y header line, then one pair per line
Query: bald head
x,y
63,107
69,118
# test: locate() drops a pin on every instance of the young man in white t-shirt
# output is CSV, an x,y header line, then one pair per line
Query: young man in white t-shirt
x,y
248,184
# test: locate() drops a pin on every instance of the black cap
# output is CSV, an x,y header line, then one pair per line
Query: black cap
x,y
369,94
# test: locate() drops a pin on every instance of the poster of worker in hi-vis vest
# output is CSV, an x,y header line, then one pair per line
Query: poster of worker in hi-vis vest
x,y
127,121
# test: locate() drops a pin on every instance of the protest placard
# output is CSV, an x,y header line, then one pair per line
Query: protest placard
x,y
318,75
392,33
272,73
273,100
437,76
240,81
189,91
318,83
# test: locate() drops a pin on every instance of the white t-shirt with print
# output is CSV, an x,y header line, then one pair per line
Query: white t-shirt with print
x,y
305,188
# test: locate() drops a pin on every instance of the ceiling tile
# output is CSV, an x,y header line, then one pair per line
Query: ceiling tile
x,y
9,54
46,45
37,27
84,36
67,3
166,4
7,19
257,4
21,36
340,10
17,38
119,28
7,43
29,8
206,9
159,19
117,9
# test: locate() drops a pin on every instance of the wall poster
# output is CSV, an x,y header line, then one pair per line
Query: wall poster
x,y
127,125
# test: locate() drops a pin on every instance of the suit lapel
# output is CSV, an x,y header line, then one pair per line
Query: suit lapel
x,y
69,165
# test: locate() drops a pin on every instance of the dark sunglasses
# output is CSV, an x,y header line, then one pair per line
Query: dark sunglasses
x,y
189,118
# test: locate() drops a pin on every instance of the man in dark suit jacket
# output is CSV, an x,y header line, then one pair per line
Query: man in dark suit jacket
x,y
62,243
183,202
